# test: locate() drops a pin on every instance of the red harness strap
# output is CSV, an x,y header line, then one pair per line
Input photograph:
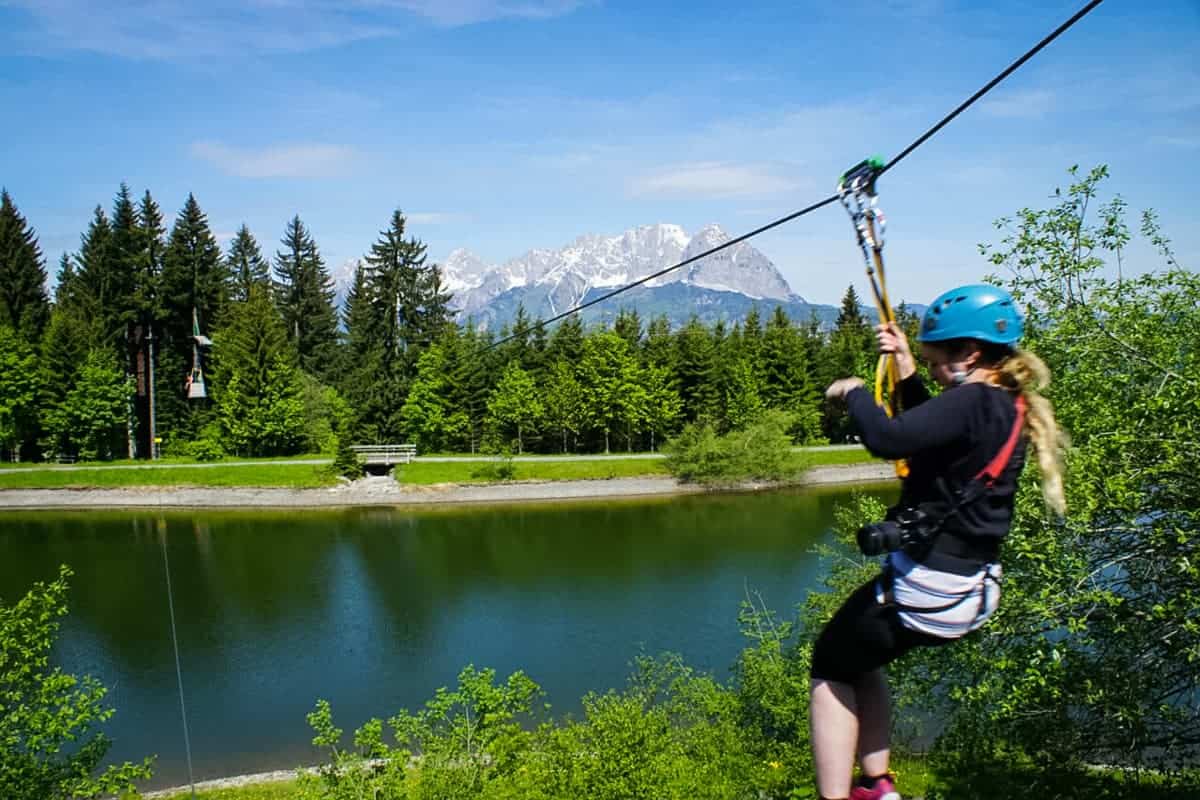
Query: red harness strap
x,y
997,465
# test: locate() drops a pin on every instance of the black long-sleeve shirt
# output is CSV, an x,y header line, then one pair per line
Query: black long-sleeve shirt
x,y
951,436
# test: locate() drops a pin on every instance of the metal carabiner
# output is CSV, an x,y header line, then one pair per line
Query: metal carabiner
x,y
856,190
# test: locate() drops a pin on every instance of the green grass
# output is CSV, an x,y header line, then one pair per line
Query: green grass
x,y
281,473
462,471
834,458
274,790
913,776
137,462
296,476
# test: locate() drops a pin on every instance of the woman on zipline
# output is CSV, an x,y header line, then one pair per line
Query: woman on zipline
x,y
941,579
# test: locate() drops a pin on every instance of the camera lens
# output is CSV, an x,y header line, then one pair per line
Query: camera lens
x,y
879,537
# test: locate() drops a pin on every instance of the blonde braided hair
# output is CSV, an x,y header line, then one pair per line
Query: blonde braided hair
x,y
1020,371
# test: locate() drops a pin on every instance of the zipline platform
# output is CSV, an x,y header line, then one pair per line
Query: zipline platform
x,y
384,455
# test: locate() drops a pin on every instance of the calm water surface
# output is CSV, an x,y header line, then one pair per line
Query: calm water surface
x,y
375,609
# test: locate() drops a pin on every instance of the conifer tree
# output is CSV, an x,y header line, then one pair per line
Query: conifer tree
x,y
359,317
148,316
257,380
850,352
788,384
194,278
24,304
414,308
473,368
566,341
659,348
740,384
147,282
247,265
304,294
194,274
92,281
518,347
695,360
68,290
126,245
628,326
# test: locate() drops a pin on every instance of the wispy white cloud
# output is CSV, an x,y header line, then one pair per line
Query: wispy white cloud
x,y
434,218
466,12
1184,142
174,29
1023,104
714,179
278,161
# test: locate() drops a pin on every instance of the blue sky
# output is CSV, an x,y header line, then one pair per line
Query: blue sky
x,y
504,125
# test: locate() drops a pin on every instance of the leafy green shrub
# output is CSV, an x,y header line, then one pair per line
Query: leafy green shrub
x,y
326,415
208,446
760,451
49,720
500,468
345,460
670,733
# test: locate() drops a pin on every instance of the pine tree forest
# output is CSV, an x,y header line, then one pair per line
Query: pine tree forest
x,y
154,340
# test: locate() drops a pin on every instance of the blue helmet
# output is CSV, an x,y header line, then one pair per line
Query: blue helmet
x,y
979,311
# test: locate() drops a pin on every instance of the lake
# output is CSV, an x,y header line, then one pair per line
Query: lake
x,y
375,609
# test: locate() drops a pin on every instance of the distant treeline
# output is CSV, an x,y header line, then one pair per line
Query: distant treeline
x,y
235,353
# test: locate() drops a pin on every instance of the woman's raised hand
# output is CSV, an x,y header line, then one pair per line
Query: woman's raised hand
x,y
842,387
892,341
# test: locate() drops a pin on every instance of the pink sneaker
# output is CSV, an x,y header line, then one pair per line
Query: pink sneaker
x,y
884,789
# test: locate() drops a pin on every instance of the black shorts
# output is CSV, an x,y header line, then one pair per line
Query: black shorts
x,y
863,636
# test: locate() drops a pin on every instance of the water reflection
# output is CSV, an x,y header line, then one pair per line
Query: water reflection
x,y
375,609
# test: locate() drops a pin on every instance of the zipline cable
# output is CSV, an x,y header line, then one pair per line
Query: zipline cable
x,y
1013,67
187,743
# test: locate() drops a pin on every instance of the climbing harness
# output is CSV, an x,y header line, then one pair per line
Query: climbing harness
x,y
856,190
933,559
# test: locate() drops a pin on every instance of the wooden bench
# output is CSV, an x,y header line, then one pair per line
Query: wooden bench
x,y
373,455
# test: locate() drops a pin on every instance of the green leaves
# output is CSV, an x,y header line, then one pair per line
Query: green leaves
x,y
761,451
515,405
258,386
49,720
90,420
1091,657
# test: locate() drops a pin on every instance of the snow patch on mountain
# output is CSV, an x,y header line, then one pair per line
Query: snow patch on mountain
x,y
563,277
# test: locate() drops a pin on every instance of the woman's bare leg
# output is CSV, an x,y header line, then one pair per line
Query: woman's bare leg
x,y
833,715
874,722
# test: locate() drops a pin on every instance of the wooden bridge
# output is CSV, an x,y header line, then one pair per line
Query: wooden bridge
x,y
384,455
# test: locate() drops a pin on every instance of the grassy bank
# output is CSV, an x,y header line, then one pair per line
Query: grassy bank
x,y
274,790
279,474
420,473
912,773
282,473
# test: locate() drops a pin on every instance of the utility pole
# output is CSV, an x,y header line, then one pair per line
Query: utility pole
x,y
153,430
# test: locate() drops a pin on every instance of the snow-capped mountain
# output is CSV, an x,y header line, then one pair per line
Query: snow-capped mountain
x,y
549,282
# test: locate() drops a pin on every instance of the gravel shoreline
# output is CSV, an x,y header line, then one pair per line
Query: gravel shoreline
x,y
386,492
